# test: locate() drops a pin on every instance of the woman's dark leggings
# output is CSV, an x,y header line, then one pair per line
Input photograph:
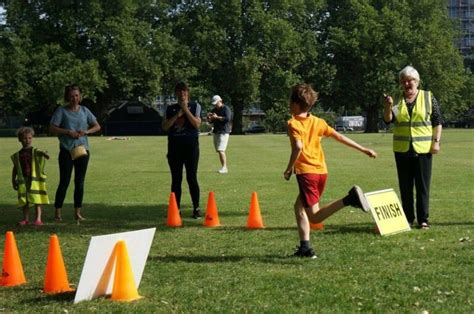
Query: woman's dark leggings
x,y
184,151
66,164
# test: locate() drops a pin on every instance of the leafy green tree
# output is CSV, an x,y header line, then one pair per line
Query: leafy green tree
x,y
369,41
109,44
215,34
14,88
248,51
288,39
34,76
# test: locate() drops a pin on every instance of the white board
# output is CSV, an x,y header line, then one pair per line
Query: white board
x,y
98,271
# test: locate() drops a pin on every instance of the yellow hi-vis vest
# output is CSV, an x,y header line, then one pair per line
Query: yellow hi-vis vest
x,y
416,129
37,193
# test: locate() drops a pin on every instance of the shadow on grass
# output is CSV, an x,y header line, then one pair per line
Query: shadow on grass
x,y
100,218
352,228
285,258
199,259
332,229
58,297
212,259
453,223
104,218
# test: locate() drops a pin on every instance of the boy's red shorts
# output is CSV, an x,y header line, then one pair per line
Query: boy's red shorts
x,y
311,187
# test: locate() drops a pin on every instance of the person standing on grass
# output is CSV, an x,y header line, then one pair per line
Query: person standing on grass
x,y
28,176
416,137
72,123
182,123
220,116
307,161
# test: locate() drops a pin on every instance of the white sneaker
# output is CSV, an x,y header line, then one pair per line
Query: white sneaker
x,y
223,170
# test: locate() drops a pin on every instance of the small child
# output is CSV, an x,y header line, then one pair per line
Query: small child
x,y
308,163
28,177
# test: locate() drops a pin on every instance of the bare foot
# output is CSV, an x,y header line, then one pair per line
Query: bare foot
x,y
79,217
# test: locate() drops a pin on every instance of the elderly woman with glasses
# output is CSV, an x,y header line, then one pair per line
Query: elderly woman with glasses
x,y
417,121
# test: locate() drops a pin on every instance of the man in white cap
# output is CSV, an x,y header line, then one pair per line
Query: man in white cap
x,y
220,116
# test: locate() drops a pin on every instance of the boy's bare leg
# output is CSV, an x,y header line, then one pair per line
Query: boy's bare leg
x,y
318,215
315,214
38,212
26,213
301,220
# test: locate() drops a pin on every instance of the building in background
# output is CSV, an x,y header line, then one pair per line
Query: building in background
x,y
132,118
463,11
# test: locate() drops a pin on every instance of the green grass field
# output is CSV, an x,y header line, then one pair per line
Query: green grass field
x,y
231,269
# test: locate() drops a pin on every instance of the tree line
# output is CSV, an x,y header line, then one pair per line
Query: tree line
x,y
248,51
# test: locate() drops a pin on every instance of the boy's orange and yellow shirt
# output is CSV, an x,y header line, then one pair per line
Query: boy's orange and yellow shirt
x,y
309,130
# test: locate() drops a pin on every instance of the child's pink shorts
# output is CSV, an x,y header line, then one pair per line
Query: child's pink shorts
x,y
311,187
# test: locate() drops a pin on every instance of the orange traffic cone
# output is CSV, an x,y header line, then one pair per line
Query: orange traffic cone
x,y
212,217
254,220
55,279
318,226
174,217
12,270
124,288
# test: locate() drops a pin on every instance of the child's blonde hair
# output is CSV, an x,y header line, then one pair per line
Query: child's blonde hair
x,y
24,130
304,95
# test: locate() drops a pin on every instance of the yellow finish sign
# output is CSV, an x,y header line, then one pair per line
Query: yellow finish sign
x,y
387,212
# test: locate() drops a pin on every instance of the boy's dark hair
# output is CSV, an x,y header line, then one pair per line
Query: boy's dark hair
x,y
181,86
24,130
68,89
304,95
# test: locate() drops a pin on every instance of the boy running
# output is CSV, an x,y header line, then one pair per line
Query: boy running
x,y
308,163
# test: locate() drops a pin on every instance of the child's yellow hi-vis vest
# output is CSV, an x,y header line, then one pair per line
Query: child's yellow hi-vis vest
x,y
37,194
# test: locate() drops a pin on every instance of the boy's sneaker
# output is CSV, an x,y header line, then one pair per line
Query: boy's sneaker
x,y
357,199
305,252
38,223
223,170
23,223
196,213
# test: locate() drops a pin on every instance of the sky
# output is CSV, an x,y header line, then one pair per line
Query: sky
x,y
2,11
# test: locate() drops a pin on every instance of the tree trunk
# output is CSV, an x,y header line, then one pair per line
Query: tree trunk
x,y
373,119
238,106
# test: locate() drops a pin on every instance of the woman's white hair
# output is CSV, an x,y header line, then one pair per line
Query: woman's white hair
x,y
410,72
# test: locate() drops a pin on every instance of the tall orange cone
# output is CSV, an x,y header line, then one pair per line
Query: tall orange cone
x,y
212,217
12,270
174,218
55,279
254,220
124,288
318,226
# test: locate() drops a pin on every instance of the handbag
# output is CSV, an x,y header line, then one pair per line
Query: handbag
x,y
78,152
